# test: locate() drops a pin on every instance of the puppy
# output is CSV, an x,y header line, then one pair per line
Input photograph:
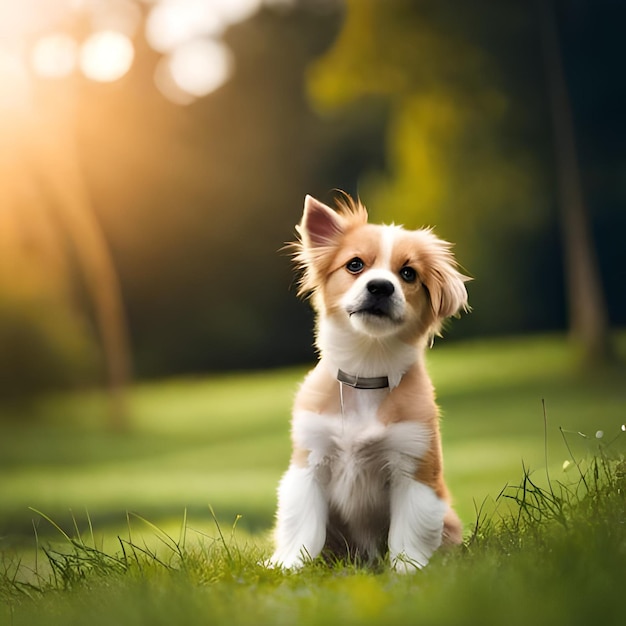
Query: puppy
x,y
366,473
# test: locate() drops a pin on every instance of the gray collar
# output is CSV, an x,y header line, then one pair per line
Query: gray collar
x,y
359,382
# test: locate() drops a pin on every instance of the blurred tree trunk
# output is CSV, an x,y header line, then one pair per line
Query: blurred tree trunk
x,y
57,162
586,303
103,286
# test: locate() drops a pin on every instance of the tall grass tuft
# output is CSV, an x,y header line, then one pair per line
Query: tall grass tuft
x,y
598,486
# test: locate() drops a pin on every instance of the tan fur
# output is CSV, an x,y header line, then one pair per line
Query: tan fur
x,y
318,395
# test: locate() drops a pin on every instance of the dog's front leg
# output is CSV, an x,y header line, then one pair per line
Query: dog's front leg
x,y
300,531
416,525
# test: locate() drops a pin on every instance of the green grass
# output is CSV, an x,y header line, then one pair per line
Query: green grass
x,y
557,559
223,441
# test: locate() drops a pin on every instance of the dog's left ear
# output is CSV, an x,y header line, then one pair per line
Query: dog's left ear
x,y
445,284
320,225
319,231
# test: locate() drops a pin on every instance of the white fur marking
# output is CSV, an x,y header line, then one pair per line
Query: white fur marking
x,y
301,518
416,524
324,435
388,237
358,354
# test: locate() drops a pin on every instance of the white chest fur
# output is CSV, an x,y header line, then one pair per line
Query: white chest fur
x,y
355,458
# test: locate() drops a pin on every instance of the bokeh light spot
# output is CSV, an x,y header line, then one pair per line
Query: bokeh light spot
x,y
174,22
196,69
106,56
233,11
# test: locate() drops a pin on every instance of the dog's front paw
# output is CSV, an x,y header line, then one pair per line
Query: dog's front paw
x,y
291,562
402,564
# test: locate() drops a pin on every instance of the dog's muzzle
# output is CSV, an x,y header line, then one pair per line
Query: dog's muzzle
x,y
378,298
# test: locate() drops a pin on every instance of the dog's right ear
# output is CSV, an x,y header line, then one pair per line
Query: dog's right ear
x,y
321,226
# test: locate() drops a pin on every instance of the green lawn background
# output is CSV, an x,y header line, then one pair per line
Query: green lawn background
x,y
223,440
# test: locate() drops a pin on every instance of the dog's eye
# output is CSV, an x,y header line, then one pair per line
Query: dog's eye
x,y
355,265
408,274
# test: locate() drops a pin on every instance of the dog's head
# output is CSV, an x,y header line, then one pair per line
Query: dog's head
x,y
376,280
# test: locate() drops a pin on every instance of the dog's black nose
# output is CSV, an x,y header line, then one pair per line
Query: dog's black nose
x,y
380,287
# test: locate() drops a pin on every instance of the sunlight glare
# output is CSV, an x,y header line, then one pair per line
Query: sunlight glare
x,y
14,84
106,56
55,56
24,17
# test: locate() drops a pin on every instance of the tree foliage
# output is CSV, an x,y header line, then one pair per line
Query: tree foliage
x,y
468,140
